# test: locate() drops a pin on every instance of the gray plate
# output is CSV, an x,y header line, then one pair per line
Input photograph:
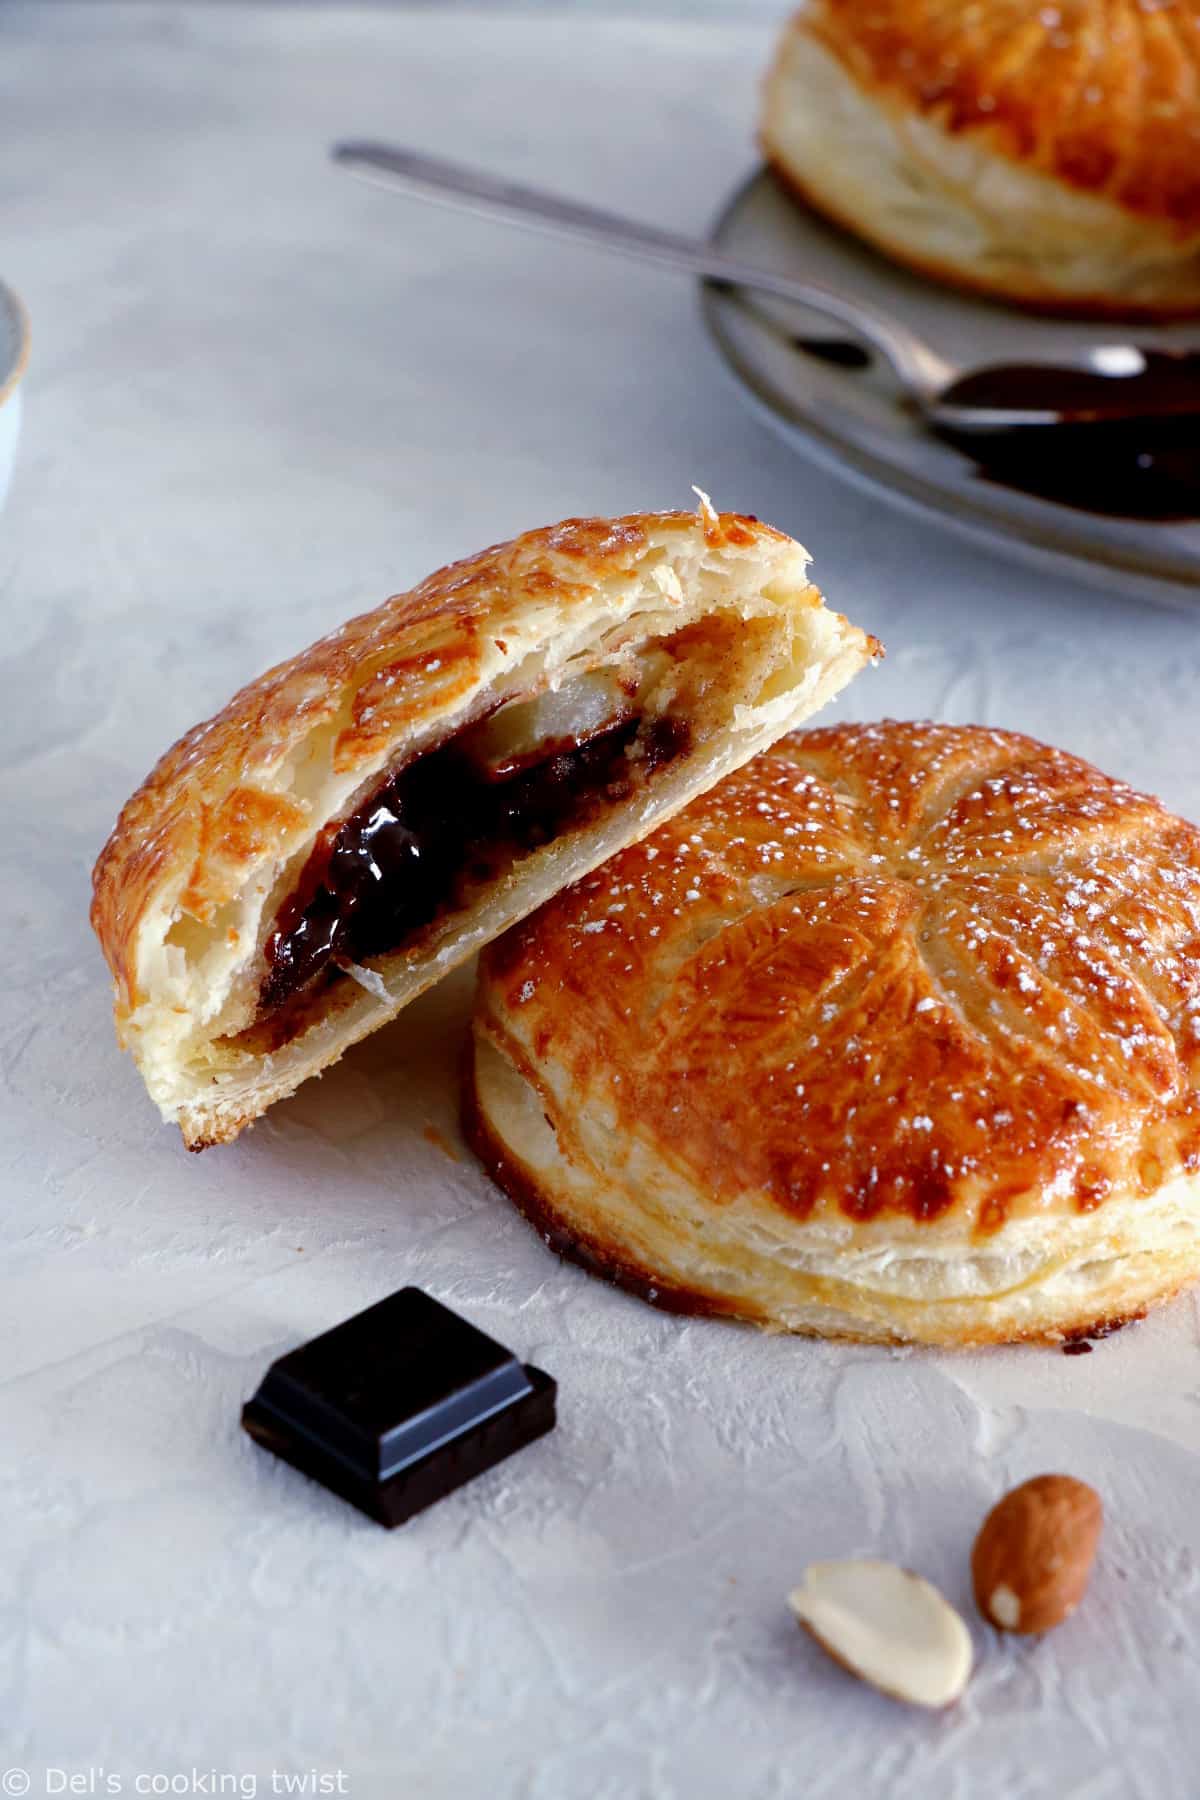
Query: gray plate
x,y
853,419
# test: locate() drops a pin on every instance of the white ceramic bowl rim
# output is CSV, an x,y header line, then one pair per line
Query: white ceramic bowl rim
x,y
14,341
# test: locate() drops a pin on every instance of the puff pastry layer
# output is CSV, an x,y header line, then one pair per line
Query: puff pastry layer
x,y
362,818
894,1035
1046,154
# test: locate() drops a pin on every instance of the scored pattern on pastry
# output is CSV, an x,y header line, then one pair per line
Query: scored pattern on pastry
x,y
1101,94
1047,154
893,969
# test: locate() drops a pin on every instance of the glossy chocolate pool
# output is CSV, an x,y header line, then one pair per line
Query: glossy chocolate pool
x,y
437,825
1129,446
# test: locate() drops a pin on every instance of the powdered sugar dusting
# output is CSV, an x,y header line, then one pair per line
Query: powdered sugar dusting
x,y
968,962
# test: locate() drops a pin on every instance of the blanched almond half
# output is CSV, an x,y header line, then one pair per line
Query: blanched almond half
x,y
890,1628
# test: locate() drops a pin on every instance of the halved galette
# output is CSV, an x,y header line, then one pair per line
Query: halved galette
x,y
364,817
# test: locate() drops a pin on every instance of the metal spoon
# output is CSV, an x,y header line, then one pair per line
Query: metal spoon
x,y
1106,384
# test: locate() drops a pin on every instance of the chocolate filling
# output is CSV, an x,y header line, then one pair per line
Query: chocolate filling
x,y
429,831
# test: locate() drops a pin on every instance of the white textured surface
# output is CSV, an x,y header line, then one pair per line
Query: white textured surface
x,y
260,396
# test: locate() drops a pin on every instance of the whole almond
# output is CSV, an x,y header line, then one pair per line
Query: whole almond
x,y
1034,1553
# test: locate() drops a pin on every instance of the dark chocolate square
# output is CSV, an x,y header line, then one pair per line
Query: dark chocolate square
x,y
399,1405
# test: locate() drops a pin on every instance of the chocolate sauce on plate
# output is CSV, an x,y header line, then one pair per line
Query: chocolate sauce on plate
x,y
1141,385
1109,471
1129,446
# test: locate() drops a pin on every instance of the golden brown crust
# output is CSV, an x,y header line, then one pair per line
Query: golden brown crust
x,y
1047,156
598,1256
201,803
929,990
702,626
1024,291
1103,95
